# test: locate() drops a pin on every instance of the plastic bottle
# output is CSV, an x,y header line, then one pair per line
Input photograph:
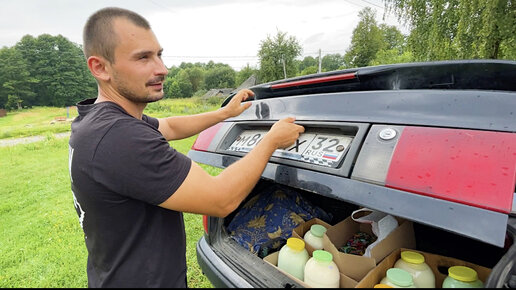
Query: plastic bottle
x,y
293,257
414,263
321,271
382,286
398,278
462,277
314,237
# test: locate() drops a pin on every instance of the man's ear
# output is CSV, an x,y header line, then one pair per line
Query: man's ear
x,y
99,68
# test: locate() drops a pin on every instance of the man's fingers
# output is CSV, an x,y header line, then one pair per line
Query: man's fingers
x,y
244,94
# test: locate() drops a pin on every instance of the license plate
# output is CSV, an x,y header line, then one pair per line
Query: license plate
x,y
316,148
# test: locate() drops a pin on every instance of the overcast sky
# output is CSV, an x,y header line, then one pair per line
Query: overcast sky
x,y
227,31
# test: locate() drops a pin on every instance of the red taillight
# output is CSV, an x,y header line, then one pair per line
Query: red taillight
x,y
203,141
341,77
476,168
205,223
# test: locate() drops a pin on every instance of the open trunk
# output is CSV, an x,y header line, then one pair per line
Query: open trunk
x,y
428,239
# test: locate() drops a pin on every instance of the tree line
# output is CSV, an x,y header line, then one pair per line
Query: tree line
x,y
51,70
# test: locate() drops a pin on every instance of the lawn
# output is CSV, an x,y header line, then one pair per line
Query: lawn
x,y
42,244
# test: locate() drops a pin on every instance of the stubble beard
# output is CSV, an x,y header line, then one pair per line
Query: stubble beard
x,y
129,94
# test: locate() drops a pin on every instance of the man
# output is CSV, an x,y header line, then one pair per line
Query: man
x,y
129,186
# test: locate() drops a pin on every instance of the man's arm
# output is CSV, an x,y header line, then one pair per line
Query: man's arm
x,y
220,195
179,127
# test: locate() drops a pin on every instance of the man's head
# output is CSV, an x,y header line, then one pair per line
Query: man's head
x,y
124,55
98,35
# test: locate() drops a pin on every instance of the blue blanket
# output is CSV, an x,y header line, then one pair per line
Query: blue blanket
x,y
266,221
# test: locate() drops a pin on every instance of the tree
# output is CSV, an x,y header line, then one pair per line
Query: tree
x,y
60,68
332,62
244,74
308,61
366,40
196,77
277,57
220,77
309,70
458,29
15,79
393,47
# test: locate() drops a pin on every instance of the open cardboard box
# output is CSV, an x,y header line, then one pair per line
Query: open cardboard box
x,y
355,266
300,231
434,262
345,282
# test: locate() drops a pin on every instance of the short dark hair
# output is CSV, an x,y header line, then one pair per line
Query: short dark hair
x,y
98,35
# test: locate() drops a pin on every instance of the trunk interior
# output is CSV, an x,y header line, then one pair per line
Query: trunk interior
x,y
428,239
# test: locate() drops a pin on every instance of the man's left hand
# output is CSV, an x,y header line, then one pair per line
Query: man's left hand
x,y
235,106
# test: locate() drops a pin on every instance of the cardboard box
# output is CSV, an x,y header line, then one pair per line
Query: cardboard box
x,y
300,231
355,266
272,259
434,261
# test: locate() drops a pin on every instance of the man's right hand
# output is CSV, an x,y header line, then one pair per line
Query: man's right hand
x,y
284,133
220,195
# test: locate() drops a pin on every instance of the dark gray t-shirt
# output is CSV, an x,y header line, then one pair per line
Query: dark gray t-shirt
x,y
121,168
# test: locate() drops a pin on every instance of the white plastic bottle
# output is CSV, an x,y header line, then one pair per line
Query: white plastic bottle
x,y
398,278
414,263
293,257
462,277
314,237
321,271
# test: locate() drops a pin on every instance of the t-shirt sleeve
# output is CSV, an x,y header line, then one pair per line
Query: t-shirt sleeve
x,y
134,160
151,120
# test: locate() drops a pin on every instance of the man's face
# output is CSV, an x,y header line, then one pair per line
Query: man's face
x,y
138,71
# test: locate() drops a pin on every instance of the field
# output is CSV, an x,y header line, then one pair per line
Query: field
x,y
42,244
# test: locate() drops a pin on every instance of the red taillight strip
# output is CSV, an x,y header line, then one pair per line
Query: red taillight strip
x,y
203,141
205,223
348,76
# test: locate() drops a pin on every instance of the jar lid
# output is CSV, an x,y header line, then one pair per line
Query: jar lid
x,y
412,257
463,273
317,230
295,244
322,255
382,286
399,277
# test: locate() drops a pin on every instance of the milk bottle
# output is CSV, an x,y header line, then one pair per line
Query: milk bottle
x,y
462,277
398,278
292,258
321,271
314,237
414,263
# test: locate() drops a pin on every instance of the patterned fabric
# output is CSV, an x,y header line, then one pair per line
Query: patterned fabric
x,y
266,221
357,244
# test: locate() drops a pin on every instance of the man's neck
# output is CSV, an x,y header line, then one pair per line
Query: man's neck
x,y
132,108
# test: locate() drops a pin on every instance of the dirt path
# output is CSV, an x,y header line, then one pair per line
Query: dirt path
x,y
25,140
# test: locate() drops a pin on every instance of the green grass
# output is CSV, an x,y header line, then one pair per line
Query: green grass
x,y
36,121
42,244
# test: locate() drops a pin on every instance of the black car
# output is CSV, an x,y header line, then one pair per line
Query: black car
x,y
433,143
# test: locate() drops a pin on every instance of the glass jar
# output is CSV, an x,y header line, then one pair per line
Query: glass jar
x,y
292,258
414,263
398,278
462,277
314,236
321,271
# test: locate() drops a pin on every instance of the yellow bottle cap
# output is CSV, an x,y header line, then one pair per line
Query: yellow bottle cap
x,y
295,244
412,257
382,286
463,273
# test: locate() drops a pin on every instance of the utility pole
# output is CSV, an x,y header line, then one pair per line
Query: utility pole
x,y
320,61
284,69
